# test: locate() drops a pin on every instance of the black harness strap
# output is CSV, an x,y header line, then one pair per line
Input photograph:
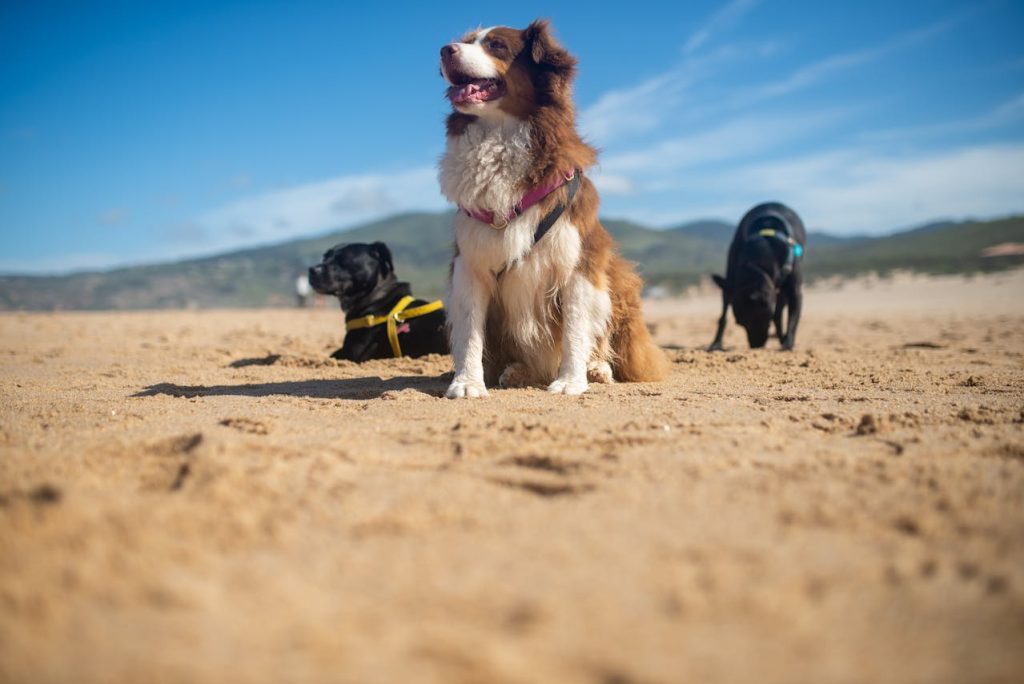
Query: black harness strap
x,y
549,219
545,223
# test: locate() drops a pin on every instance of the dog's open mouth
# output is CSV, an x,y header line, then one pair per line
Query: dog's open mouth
x,y
476,91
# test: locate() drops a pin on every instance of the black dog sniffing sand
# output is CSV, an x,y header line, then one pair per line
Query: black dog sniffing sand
x,y
762,275
382,319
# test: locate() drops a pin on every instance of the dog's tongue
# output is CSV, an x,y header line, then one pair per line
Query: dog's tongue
x,y
476,91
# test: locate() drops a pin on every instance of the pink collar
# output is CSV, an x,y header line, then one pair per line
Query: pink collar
x,y
531,198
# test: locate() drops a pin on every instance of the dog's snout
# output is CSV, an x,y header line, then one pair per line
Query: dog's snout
x,y
450,49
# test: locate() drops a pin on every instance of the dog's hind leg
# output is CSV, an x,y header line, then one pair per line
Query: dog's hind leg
x,y
516,374
717,344
599,370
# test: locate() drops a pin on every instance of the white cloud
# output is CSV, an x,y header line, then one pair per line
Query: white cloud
x,y
856,191
726,17
633,110
1007,113
334,203
646,106
816,72
643,107
612,184
737,139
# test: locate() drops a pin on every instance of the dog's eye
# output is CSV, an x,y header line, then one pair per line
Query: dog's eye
x,y
495,44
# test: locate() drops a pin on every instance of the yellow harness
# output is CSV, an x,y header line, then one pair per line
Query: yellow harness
x,y
397,315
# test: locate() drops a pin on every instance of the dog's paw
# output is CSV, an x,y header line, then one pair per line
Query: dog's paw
x,y
472,389
715,346
515,375
787,346
568,386
599,371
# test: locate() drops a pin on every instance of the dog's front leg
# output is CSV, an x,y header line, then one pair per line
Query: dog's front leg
x,y
780,307
795,299
585,315
467,307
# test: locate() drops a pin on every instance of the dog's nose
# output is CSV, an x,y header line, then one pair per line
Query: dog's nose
x,y
449,50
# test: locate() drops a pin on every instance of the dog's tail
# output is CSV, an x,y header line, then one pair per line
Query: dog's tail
x,y
635,357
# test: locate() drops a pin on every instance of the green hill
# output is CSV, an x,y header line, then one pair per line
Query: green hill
x,y
421,243
937,248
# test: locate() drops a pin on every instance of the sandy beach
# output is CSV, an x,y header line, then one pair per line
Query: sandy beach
x,y
205,496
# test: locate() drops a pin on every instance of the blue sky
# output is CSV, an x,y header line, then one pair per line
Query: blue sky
x,y
138,132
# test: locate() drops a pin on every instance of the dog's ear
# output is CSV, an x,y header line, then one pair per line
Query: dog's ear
x,y
720,282
545,51
383,254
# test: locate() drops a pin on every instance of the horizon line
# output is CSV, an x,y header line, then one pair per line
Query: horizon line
x,y
231,251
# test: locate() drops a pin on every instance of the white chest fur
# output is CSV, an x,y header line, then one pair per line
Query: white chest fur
x,y
483,168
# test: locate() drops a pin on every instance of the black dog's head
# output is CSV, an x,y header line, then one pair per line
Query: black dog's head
x,y
754,294
351,272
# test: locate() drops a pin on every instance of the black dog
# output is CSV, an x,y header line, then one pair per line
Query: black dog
x,y
763,275
362,277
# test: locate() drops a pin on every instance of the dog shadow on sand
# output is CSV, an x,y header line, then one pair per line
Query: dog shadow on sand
x,y
354,389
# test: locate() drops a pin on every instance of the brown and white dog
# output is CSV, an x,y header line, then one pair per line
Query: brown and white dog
x,y
559,308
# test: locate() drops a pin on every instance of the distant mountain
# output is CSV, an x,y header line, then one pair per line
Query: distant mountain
x,y
930,227
422,246
709,229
